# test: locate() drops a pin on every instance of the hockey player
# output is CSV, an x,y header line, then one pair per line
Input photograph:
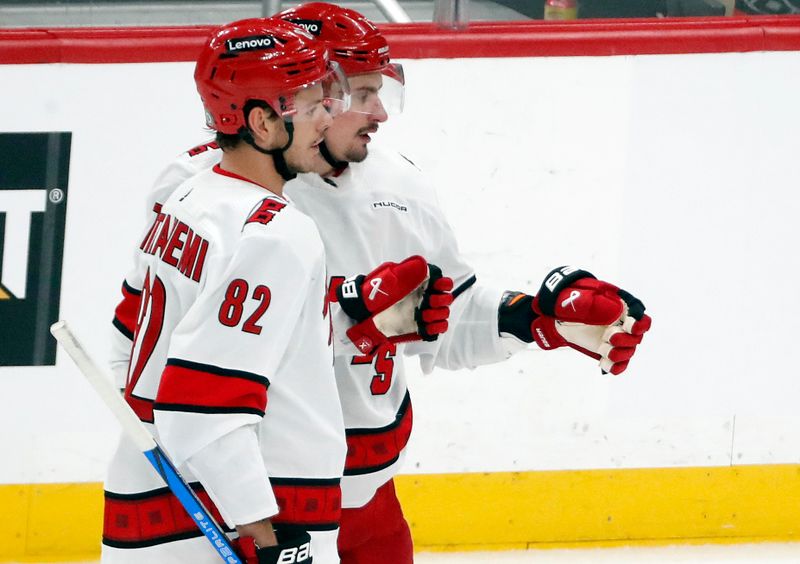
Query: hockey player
x,y
374,205
233,309
371,206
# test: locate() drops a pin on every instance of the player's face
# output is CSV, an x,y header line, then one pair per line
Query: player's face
x,y
310,122
349,135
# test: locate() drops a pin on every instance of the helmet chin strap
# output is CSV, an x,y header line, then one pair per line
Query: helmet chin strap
x,y
329,158
277,154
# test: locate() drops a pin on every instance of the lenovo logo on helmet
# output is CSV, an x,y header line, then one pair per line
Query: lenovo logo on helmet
x,y
252,43
314,27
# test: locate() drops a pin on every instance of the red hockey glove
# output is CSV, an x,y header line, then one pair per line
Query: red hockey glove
x,y
593,317
292,547
575,309
396,302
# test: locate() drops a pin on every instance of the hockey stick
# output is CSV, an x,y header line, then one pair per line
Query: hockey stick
x,y
145,442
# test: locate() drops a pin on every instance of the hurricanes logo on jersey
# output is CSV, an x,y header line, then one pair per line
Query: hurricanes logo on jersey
x,y
33,196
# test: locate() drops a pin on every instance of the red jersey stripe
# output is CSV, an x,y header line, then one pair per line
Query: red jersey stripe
x,y
188,386
156,517
127,310
370,450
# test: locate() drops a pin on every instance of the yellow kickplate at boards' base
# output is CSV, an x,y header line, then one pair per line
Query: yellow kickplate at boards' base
x,y
488,511
50,522
602,507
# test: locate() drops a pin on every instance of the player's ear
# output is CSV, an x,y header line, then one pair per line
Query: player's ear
x,y
265,126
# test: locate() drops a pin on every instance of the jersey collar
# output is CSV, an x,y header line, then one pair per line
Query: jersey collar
x,y
221,171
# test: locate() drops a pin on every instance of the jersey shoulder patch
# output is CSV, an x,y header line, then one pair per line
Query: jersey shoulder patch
x,y
200,149
265,211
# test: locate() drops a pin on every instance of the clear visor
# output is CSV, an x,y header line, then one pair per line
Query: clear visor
x,y
378,92
329,95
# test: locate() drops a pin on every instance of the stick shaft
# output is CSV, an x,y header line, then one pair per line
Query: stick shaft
x,y
137,432
193,506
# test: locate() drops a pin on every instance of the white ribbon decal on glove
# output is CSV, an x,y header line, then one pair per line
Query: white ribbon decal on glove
x,y
376,287
573,295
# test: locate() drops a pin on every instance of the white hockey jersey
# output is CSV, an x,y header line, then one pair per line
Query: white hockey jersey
x,y
232,364
376,211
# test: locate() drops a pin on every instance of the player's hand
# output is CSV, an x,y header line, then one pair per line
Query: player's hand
x,y
594,317
292,547
573,308
396,302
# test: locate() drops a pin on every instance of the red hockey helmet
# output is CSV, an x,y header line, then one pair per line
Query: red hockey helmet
x,y
263,59
355,43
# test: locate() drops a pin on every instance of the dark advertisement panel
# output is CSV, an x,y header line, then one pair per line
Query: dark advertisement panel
x,y
34,170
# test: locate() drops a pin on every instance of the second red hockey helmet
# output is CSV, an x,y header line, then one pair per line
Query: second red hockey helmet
x,y
355,43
